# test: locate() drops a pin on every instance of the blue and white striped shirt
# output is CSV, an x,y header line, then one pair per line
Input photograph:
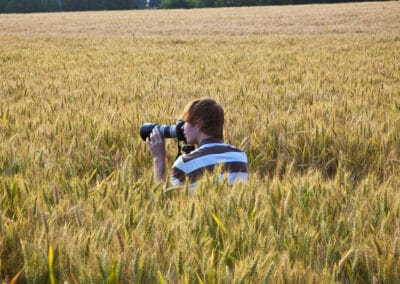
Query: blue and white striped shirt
x,y
210,154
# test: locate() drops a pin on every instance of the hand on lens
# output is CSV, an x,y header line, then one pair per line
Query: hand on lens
x,y
156,143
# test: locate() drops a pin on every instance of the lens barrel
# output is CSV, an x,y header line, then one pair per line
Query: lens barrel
x,y
167,131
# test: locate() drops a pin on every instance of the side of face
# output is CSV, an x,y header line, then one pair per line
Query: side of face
x,y
191,132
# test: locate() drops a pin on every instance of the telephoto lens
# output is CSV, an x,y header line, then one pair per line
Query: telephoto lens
x,y
167,131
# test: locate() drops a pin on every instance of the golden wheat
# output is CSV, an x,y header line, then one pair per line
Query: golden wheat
x,y
311,93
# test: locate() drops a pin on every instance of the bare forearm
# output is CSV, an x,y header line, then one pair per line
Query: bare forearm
x,y
159,169
157,147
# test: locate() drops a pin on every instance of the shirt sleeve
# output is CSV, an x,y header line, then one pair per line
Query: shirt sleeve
x,y
178,173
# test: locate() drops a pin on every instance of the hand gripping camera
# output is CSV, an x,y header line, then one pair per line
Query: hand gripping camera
x,y
169,131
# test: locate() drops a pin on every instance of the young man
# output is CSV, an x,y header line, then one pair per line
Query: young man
x,y
204,121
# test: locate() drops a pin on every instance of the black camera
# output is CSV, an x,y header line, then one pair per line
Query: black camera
x,y
167,131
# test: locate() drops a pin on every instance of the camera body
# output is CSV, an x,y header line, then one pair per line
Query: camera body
x,y
167,131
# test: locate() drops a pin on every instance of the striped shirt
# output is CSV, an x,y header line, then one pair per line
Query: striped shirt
x,y
210,154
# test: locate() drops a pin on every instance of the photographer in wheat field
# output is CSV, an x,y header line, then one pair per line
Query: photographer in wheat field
x,y
203,126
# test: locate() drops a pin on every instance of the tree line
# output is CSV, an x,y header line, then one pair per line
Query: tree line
x,y
29,6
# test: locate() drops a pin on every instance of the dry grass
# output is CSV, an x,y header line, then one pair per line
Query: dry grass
x,y
370,18
316,107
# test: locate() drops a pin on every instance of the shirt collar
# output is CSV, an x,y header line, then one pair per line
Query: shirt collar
x,y
210,140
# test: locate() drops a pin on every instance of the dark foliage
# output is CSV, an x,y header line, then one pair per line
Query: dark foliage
x,y
29,6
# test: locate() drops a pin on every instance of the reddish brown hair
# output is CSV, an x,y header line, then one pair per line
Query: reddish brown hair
x,y
207,114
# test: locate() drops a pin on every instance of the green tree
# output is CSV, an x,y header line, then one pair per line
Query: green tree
x,y
154,3
174,4
201,3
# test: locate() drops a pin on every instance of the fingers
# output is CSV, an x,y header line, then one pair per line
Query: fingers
x,y
155,136
157,144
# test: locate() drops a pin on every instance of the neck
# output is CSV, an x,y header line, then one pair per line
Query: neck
x,y
202,137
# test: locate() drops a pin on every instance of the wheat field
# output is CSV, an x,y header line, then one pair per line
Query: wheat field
x,y
311,93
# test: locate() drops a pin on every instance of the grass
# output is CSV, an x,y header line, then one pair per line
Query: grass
x,y
314,104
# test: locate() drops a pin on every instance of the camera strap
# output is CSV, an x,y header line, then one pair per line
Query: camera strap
x,y
179,151
186,148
